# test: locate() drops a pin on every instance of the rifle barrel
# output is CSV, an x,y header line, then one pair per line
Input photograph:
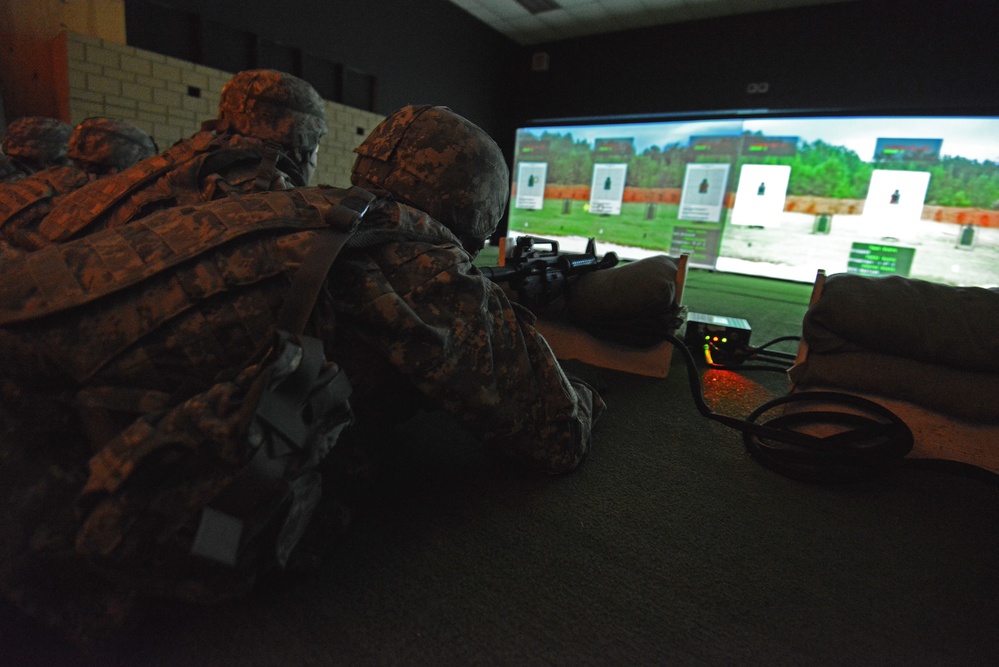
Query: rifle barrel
x,y
499,274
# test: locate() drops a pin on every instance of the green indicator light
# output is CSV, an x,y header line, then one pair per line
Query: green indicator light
x,y
757,148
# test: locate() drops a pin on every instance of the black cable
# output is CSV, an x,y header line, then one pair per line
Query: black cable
x,y
865,440
732,359
771,355
777,340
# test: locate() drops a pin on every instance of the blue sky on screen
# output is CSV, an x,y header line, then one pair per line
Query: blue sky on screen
x,y
975,138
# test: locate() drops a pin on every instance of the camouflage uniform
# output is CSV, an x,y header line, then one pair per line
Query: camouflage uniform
x,y
417,320
101,469
265,138
24,203
411,311
97,147
31,144
443,328
175,304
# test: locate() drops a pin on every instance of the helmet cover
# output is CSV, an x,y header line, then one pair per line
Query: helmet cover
x,y
441,163
37,138
110,143
272,106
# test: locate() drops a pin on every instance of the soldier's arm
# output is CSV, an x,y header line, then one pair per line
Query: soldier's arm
x,y
465,346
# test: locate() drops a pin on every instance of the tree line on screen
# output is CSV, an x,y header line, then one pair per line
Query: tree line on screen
x,y
817,169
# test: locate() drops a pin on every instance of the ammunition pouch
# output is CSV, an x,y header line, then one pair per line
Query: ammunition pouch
x,y
301,406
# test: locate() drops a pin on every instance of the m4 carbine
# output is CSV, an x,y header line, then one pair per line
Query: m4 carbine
x,y
539,277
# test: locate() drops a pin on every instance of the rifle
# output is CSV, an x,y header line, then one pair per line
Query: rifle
x,y
540,277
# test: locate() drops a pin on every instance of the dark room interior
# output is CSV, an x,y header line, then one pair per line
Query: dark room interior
x,y
671,544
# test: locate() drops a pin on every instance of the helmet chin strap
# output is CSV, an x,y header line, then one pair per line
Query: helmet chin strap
x,y
307,163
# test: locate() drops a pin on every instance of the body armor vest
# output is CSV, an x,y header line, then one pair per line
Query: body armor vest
x,y
207,483
199,283
205,167
24,203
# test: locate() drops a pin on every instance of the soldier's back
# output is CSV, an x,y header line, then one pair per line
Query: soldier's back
x,y
25,202
202,168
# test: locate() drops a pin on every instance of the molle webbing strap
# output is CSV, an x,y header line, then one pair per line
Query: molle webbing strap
x,y
16,197
81,208
309,278
117,259
42,186
265,172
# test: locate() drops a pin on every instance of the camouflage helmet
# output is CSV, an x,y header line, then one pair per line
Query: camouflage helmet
x,y
108,144
272,106
37,139
441,163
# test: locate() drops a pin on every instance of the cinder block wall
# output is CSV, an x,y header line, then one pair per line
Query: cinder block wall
x,y
169,98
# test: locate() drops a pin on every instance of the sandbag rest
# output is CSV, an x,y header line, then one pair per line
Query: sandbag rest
x,y
923,350
608,300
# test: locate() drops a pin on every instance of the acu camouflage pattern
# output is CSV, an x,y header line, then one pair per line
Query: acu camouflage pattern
x,y
418,314
79,309
24,203
108,145
85,543
98,146
205,167
438,162
273,106
160,307
37,141
43,466
164,307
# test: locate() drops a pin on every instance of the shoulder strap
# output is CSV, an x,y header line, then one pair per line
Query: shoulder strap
x,y
308,280
279,405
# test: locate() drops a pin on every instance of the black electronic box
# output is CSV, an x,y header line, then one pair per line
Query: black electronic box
x,y
727,335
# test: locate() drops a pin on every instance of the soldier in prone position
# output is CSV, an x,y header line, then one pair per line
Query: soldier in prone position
x,y
127,373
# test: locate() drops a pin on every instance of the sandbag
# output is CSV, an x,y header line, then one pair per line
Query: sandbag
x,y
632,303
907,318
